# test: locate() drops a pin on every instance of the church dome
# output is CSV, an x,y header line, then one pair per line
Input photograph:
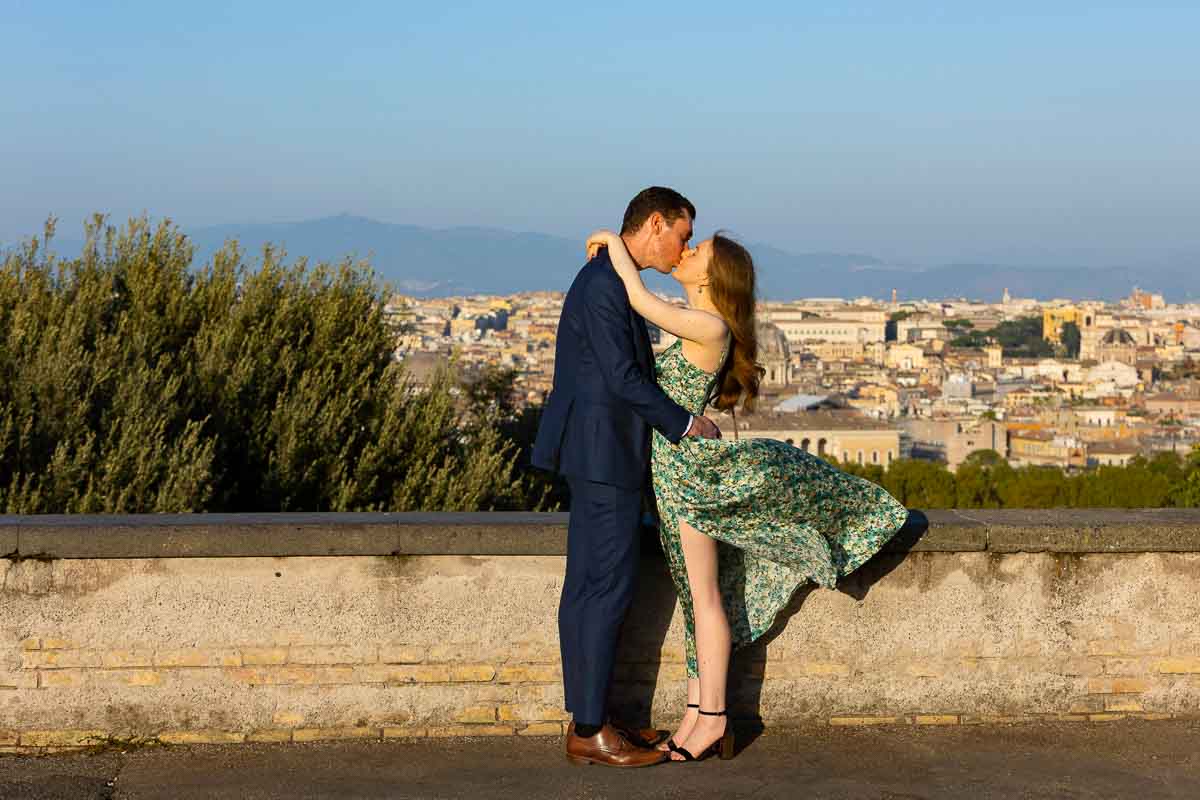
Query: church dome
x,y
772,342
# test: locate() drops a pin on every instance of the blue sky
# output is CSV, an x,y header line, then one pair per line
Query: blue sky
x,y
1021,133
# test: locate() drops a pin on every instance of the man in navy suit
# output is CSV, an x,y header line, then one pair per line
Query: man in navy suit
x,y
595,432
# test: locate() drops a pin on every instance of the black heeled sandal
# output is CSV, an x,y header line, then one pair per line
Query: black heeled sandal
x,y
722,747
671,746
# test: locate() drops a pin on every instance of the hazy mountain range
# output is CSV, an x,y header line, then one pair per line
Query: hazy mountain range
x,y
437,262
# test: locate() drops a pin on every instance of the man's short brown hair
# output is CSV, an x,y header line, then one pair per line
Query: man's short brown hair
x,y
668,202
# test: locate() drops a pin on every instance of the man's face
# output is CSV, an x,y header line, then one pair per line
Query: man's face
x,y
670,240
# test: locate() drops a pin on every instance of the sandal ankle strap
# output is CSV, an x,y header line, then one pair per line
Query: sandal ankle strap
x,y
714,713
693,705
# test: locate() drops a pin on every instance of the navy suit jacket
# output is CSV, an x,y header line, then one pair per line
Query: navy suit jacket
x,y
597,420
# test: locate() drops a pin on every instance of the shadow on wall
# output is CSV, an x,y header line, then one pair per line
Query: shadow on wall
x,y
639,653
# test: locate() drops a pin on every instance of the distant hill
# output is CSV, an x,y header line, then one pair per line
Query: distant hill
x,y
416,260
784,276
987,282
439,262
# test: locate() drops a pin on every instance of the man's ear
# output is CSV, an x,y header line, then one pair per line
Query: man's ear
x,y
656,222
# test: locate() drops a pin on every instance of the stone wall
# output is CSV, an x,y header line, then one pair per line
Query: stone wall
x,y
214,628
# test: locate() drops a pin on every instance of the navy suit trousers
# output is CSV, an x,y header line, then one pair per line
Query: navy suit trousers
x,y
602,563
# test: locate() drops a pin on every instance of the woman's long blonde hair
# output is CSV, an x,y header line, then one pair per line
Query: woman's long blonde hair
x,y
732,287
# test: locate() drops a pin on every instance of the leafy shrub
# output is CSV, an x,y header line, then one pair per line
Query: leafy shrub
x,y
986,480
132,382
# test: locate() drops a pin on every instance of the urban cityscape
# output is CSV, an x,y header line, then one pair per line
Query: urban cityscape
x,y
1054,383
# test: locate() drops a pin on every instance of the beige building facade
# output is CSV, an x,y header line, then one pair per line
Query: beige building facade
x,y
844,436
824,329
1045,449
952,440
905,356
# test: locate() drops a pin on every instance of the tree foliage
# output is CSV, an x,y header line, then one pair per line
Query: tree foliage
x,y
986,480
1071,339
920,484
131,381
1019,338
1185,493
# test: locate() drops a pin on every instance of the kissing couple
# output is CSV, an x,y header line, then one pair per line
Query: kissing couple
x,y
743,523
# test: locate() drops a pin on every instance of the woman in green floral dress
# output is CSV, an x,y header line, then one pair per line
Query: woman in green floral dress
x,y
743,523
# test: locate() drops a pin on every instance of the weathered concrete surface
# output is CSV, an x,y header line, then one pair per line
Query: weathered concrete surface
x,y
1147,760
248,535
284,535
236,628
9,542
237,648
1090,530
938,532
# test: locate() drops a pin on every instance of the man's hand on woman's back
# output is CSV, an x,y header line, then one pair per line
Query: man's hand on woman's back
x,y
703,427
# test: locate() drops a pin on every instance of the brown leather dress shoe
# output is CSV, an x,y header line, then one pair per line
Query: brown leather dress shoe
x,y
640,737
610,748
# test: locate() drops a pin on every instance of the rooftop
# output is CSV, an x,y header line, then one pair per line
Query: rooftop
x,y
1114,447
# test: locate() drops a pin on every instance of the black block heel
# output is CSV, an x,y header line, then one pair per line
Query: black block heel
x,y
723,747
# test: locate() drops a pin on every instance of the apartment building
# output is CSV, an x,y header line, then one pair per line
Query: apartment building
x,y
1046,449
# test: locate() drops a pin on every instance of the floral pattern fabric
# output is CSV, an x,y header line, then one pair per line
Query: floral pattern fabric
x,y
781,517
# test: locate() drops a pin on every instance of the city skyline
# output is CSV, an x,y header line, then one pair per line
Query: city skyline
x,y
475,260
1063,384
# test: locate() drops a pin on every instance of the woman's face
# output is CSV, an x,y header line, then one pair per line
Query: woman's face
x,y
693,264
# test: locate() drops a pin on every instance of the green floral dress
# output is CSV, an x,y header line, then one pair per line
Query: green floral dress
x,y
781,517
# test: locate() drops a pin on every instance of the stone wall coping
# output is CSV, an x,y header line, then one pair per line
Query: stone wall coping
x,y
544,534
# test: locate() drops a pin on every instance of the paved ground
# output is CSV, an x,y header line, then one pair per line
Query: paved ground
x,y
1128,759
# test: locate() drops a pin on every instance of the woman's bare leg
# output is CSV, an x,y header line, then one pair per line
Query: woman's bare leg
x,y
713,639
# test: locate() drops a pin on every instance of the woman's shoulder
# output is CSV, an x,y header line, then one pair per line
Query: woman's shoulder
x,y
718,333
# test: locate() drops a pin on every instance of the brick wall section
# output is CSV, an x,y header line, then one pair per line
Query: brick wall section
x,y
303,648
509,698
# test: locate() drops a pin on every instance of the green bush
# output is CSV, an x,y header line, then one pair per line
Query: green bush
x,y
131,381
986,480
1019,338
